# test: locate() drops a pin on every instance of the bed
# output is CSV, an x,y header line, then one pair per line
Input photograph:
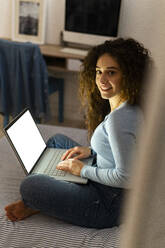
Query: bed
x,y
40,230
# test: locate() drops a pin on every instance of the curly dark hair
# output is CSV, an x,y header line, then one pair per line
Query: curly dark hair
x,y
134,61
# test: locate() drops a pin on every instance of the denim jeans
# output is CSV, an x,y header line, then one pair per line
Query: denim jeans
x,y
91,205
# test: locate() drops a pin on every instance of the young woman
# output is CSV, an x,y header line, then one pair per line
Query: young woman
x,y
112,83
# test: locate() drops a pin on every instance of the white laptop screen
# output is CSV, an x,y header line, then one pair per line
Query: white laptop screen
x,y
26,140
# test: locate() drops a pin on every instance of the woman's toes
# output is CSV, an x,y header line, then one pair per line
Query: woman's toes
x,y
18,211
9,207
11,217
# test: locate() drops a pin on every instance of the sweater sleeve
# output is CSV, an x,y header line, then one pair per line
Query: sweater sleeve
x,y
121,134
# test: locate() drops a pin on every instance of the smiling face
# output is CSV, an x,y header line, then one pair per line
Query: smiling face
x,y
108,77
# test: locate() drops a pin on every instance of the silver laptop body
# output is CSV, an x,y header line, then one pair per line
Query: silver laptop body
x,y
32,152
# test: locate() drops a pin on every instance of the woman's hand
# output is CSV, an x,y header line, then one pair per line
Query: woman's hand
x,y
73,166
77,152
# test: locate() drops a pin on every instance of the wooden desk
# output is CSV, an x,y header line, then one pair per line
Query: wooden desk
x,y
56,59
57,63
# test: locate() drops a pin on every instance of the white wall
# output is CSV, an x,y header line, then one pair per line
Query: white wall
x,y
54,22
144,21
137,19
5,18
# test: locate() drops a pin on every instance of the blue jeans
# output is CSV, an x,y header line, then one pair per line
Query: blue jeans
x,y
91,205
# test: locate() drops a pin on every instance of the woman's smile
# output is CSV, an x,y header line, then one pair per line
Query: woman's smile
x,y
105,88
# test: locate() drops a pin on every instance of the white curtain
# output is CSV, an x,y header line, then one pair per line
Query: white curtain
x,y
145,211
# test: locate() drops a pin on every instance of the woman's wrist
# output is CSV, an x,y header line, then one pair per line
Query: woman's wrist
x,y
91,151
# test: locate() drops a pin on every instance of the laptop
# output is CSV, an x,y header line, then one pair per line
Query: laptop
x,y
31,150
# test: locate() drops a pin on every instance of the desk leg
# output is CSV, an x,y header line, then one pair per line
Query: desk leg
x,y
61,102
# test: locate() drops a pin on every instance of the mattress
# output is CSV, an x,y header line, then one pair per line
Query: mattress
x,y
40,230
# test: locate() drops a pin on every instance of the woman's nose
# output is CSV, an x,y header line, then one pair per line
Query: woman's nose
x,y
103,78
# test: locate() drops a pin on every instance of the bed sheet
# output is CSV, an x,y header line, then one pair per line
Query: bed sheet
x,y
40,230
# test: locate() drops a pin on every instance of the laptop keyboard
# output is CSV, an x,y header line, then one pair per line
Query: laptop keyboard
x,y
51,169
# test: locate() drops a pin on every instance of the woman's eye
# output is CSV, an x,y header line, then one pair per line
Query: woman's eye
x,y
111,73
98,72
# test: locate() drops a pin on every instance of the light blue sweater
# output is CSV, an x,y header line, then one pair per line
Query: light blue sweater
x,y
114,141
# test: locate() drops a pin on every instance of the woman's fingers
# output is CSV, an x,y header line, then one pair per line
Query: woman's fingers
x,y
73,166
63,166
70,153
64,156
76,152
78,156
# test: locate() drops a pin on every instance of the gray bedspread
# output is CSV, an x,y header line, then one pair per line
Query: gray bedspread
x,y
40,230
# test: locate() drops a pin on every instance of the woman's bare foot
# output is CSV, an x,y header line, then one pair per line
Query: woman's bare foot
x,y
18,211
